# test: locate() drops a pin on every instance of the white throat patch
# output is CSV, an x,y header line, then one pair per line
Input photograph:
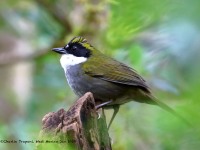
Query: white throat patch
x,y
68,60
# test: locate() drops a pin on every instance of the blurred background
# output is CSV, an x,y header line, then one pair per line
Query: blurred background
x,y
160,39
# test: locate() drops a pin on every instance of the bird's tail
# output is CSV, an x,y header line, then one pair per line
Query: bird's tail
x,y
170,110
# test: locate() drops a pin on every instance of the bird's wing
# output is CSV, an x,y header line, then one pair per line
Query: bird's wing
x,y
111,70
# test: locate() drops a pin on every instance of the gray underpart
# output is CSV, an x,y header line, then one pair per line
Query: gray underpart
x,y
101,89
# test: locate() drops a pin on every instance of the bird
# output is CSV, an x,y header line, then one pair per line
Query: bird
x,y
111,82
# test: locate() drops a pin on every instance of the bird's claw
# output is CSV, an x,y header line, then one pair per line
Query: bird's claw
x,y
99,115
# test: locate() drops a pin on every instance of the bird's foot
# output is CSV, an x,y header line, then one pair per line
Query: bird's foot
x,y
98,114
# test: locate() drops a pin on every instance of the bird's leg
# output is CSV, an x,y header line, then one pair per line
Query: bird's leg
x,y
116,109
103,104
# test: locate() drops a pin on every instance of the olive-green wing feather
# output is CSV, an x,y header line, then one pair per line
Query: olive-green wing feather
x,y
111,70
108,69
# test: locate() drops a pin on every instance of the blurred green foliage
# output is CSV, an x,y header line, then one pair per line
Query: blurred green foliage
x,y
160,39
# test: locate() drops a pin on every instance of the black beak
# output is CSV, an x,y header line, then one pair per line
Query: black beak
x,y
59,50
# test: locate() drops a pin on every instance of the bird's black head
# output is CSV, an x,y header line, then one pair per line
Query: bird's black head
x,y
78,47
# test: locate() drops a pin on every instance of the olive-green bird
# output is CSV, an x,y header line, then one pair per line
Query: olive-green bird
x,y
111,82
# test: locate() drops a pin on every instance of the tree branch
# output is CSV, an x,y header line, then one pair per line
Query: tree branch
x,y
77,128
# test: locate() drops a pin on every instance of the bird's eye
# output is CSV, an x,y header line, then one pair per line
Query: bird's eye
x,y
74,47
